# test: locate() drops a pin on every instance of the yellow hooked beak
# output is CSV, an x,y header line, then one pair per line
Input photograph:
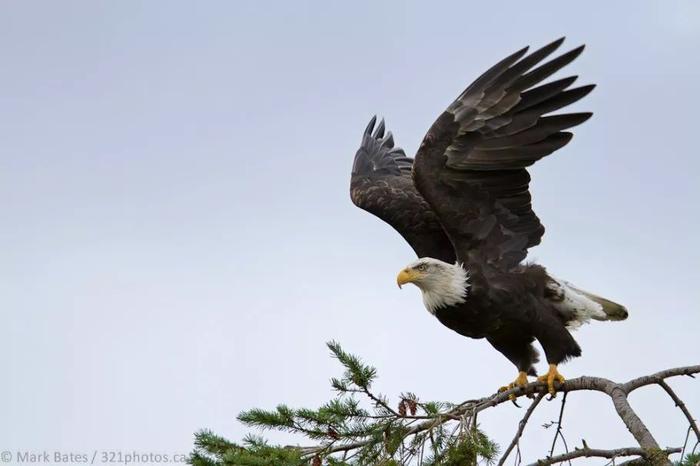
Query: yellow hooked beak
x,y
407,276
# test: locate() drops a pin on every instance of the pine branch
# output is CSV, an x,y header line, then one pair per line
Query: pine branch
x,y
357,372
444,434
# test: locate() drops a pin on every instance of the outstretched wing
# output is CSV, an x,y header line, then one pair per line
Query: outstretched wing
x,y
471,164
381,184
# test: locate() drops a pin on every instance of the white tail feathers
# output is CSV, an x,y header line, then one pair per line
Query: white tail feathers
x,y
612,310
579,306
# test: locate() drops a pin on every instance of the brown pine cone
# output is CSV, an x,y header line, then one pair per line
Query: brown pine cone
x,y
412,406
402,408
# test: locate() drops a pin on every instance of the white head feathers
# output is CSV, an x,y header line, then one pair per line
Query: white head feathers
x,y
441,283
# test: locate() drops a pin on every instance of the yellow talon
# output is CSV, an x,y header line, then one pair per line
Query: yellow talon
x,y
520,381
550,377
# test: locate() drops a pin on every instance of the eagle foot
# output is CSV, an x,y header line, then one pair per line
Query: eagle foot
x,y
520,381
550,377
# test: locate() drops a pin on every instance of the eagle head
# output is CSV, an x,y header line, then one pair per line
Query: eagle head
x,y
441,283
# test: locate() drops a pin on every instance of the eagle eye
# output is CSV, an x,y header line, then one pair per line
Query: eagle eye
x,y
421,267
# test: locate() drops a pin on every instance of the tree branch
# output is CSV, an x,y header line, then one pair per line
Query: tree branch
x,y
654,378
679,403
347,432
594,452
618,392
633,423
521,428
378,401
558,433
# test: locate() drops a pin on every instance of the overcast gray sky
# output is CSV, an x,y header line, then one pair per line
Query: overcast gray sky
x,y
179,243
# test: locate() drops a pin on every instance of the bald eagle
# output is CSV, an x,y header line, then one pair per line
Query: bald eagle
x,y
463,205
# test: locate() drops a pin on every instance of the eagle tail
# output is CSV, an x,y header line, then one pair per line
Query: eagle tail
x,y
579,306
612,310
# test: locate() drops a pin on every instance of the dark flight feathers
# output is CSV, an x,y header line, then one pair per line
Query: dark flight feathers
x,y
382,184
469,178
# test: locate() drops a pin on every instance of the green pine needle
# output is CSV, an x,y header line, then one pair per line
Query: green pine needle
x,y
355,415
